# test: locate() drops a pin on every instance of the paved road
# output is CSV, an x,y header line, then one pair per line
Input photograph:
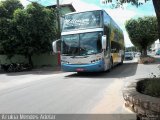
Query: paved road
x,y
70,92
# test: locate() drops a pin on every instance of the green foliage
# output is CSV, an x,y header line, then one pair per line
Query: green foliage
x,y
156,4
149,87
7,27
7,37
3,11
133,2
142,31
36,29
26,31
8,7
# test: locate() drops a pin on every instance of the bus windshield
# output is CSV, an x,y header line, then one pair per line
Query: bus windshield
x,y
81,44
82,20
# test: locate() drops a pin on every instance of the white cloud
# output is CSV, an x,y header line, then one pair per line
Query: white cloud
x,y
127,40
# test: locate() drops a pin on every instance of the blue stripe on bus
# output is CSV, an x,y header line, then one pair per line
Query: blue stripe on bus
x,y
92,67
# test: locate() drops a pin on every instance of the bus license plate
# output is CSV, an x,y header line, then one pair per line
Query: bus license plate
x,y
79,69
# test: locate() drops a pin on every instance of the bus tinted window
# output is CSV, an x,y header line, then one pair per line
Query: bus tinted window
x,y
90,43
70,44
82,20
81,44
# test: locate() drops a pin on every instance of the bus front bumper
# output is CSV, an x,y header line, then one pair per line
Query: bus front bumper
x,y
92,67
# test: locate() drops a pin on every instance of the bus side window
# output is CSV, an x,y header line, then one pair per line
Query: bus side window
x,y
115,47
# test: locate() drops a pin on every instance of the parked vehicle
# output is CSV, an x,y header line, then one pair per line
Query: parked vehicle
x,y
129,55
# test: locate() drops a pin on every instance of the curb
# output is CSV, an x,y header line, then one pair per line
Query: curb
x,y
145,106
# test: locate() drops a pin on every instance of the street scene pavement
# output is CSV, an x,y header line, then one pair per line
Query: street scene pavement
x,y
54,91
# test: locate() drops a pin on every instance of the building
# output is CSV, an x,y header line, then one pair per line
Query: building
x,y
155,46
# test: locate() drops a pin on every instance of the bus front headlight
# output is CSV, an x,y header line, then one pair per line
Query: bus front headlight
x,y
96,60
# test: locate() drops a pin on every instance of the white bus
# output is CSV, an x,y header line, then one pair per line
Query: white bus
x,y
90,42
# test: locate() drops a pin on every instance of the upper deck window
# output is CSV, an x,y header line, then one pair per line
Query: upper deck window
x,y
84,20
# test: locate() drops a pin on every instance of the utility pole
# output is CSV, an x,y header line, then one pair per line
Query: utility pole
x,y
58,18
59,31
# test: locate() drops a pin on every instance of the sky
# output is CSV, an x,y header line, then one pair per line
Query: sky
x,y
119,15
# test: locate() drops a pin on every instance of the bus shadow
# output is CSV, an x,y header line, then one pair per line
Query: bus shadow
x,y
119,71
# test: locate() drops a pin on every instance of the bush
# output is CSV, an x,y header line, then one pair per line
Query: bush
x,y
150,86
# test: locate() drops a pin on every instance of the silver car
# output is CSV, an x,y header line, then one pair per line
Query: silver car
x,y
129,55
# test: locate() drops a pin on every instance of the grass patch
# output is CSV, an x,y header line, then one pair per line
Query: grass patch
x,y
150,86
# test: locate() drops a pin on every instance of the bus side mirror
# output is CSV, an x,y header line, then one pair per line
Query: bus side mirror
x,y
55,45
104,42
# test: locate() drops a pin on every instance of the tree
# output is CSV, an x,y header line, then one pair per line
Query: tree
x,y
7,27
3,11
36,29
26,31
8,7
156,4
142,32
7,37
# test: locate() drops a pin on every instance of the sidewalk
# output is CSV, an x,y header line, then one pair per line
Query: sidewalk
x,y
8,80
42,70
47,70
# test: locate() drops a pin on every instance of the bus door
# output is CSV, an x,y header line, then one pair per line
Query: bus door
x,y
107,51
115,52
115,46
